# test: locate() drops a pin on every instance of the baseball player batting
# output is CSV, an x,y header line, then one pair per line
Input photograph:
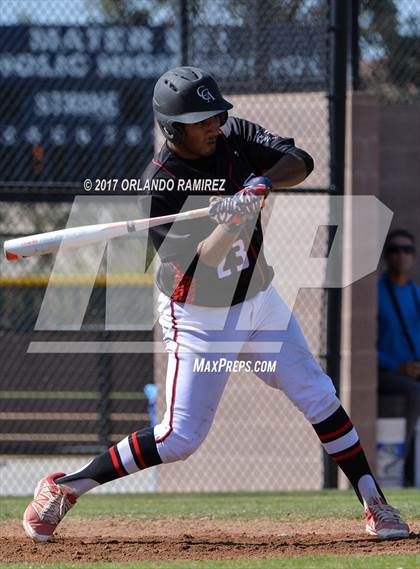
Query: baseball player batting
x,y
217,302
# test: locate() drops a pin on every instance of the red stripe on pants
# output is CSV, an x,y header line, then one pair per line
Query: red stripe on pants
x,y
173,394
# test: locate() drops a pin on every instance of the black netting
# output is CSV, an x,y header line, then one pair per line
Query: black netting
x,y
75,104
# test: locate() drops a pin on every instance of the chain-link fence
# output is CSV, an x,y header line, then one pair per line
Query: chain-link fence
x,y
77,79
389,49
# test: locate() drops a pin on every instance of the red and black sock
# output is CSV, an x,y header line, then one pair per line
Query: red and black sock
x,y
136,452
341,441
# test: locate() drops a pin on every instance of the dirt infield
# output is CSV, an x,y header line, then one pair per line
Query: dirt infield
x,y
117,539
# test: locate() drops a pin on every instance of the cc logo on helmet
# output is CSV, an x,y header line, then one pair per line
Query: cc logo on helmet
x,y
205,94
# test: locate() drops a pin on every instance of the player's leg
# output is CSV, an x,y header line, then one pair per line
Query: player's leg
x,y
192,404
197,374
192,396
193,392
302,379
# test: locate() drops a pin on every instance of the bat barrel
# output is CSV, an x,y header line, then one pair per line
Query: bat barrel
x,y
17,249
75,237
71,238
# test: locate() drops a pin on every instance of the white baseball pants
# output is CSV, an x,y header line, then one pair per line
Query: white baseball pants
x,y
218,336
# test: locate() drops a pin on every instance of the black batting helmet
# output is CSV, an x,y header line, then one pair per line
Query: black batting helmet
x,y
186,95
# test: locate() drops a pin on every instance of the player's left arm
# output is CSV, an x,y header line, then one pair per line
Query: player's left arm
x,y
270,154
290,170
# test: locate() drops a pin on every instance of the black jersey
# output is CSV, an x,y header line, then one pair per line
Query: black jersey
x,y
243,149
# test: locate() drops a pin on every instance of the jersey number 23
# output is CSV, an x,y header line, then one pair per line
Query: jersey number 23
x,y
241,258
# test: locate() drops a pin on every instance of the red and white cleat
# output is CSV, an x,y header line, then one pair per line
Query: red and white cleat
x,y
384,521
50,504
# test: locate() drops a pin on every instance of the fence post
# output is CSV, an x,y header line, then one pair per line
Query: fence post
x,y
183,31
337,114
104,404
353,43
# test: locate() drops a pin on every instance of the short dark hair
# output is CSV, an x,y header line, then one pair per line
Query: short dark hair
x,y
398,233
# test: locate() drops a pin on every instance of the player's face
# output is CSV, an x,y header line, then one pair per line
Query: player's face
x,y
200,137
400,254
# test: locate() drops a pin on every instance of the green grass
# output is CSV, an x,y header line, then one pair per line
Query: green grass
x,y
226,506
327,562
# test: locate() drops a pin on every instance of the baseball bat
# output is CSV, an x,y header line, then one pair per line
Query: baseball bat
x,y
75,237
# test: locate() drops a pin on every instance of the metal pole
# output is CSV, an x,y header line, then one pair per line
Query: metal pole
x,y
337,114
353,43
183,31
262,18
104,404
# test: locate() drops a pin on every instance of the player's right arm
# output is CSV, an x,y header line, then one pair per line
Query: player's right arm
x,y
217,245
230,213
